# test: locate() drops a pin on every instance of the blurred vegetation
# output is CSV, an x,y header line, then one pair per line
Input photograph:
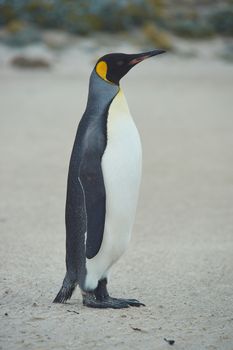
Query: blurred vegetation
x,y
21,19
29,62
81,16
157,35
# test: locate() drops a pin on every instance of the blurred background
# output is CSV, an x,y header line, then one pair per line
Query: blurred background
x,y
180,260
89,25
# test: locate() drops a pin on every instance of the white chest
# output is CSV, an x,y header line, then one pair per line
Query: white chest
x,y
121,165
121,162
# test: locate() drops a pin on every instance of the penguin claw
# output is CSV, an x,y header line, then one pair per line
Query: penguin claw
x,y
104,304
131,302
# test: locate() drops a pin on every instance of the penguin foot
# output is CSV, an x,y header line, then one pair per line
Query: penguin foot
x,y
130,302
100,298
89,300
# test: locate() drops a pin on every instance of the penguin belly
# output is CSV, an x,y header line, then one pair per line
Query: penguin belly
x,y
121,167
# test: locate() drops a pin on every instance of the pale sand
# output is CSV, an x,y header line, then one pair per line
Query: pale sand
x,y
180,261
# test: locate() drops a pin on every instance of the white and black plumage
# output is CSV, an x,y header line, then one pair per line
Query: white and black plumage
x,y
103,185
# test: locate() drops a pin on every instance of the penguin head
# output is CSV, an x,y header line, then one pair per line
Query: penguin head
x,y
114,66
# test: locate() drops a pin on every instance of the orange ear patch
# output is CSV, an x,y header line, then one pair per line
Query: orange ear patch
x,y
101,69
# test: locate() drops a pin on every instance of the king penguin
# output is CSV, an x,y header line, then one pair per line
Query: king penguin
x,y
103,184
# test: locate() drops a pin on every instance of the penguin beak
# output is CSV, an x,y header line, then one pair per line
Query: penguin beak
x,y
142,56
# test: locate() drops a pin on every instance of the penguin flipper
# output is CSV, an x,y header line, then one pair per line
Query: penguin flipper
x,y
91,179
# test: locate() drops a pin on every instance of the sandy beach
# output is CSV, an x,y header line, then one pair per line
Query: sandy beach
x,y
180,261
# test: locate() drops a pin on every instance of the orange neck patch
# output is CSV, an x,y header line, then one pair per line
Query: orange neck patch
x,y
101,69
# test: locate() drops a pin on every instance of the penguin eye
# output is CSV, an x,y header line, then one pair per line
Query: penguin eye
x,y
120,63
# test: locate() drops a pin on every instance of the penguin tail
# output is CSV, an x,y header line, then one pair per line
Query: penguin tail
x,y
66,290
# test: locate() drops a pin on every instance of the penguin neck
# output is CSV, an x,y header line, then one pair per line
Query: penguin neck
x,y
100,94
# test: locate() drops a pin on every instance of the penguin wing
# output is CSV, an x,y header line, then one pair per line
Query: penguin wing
x,y
91,179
